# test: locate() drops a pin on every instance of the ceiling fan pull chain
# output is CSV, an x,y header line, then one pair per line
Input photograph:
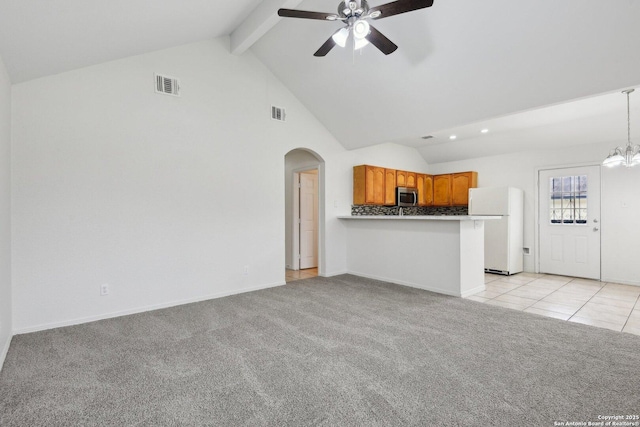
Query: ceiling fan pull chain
x,y
353,53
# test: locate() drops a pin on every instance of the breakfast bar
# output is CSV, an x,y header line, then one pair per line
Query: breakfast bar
x,y
439,253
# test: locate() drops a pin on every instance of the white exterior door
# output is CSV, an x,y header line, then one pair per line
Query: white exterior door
x,y
308,220
569,221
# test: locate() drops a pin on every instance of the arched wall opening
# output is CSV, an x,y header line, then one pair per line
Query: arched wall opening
x,y
301,162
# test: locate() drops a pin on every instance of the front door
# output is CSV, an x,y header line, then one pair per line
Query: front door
x,y
569,221
308,220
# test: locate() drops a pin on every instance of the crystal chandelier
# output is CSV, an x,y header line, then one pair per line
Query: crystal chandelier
x,y
629,156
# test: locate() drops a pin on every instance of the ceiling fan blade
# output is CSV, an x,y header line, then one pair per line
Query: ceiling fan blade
x,y
326,47
292,13
400,6
380,41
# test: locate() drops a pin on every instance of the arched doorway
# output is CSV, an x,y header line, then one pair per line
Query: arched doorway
x,y
304,214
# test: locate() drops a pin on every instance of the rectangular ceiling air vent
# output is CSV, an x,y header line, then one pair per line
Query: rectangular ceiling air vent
x,y
277,113
167,85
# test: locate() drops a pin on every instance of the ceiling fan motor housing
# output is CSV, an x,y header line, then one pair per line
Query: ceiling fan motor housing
x,y
353,8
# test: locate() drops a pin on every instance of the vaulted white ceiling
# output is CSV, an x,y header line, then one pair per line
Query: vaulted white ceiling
x,y
461,64
458,62
44,37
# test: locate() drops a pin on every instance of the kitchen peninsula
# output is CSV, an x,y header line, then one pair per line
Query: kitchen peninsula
x,y
439,253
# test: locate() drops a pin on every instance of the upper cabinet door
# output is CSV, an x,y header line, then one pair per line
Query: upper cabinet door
x,y
420,187
389,187
411,180
368,185
428,190
460,185
375,185
424,184
401,178
442,190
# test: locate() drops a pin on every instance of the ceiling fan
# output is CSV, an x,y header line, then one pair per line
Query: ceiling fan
x,y
355,14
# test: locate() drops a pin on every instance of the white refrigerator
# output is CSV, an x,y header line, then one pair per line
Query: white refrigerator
x,y
503,238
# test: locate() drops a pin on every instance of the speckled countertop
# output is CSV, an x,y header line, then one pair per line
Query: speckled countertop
x,y
423,217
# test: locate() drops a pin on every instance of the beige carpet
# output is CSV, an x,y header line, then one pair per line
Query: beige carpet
x,y
322,351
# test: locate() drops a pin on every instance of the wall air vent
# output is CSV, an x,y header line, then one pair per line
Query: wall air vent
x,y
167,85
277,113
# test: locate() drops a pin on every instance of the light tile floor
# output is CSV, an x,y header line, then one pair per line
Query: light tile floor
x,y
606,305
292,275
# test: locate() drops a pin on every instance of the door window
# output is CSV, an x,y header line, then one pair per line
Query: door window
x,y
568,199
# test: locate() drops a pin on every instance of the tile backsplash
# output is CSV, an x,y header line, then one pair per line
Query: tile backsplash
x,y
358,210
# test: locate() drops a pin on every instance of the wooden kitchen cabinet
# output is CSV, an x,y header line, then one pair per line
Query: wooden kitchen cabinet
x,y
428,189
389,187
412,180
368,185
424,184
401,179
374,185
406,179
460,185
442,190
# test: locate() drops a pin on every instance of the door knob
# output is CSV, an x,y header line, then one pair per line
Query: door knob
x,y
595,228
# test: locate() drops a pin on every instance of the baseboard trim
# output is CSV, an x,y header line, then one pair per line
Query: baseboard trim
x,y
78,321
4,351
335,273
473,291
403,283
621,282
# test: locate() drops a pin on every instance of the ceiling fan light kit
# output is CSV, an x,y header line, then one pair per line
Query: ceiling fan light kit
x,y
340,38
361,29
355,15
630,155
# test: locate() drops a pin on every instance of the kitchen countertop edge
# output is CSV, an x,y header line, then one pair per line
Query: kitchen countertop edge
x,y
423,217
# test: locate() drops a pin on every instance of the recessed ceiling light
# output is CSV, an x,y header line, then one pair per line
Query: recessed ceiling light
x,y
452,137
484,130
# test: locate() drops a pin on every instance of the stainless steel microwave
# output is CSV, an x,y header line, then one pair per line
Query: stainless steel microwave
x,y
406,196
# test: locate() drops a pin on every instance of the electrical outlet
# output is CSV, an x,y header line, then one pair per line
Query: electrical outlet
x,y
245,270
526,251
104,289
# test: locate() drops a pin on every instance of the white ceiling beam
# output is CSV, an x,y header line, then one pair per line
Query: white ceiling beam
x,y
256,25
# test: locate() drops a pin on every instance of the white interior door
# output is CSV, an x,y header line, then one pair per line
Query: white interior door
x,y
308,220
569,221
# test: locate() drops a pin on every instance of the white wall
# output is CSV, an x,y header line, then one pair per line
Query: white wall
x,y
165,199
389,155
5,212
619,240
